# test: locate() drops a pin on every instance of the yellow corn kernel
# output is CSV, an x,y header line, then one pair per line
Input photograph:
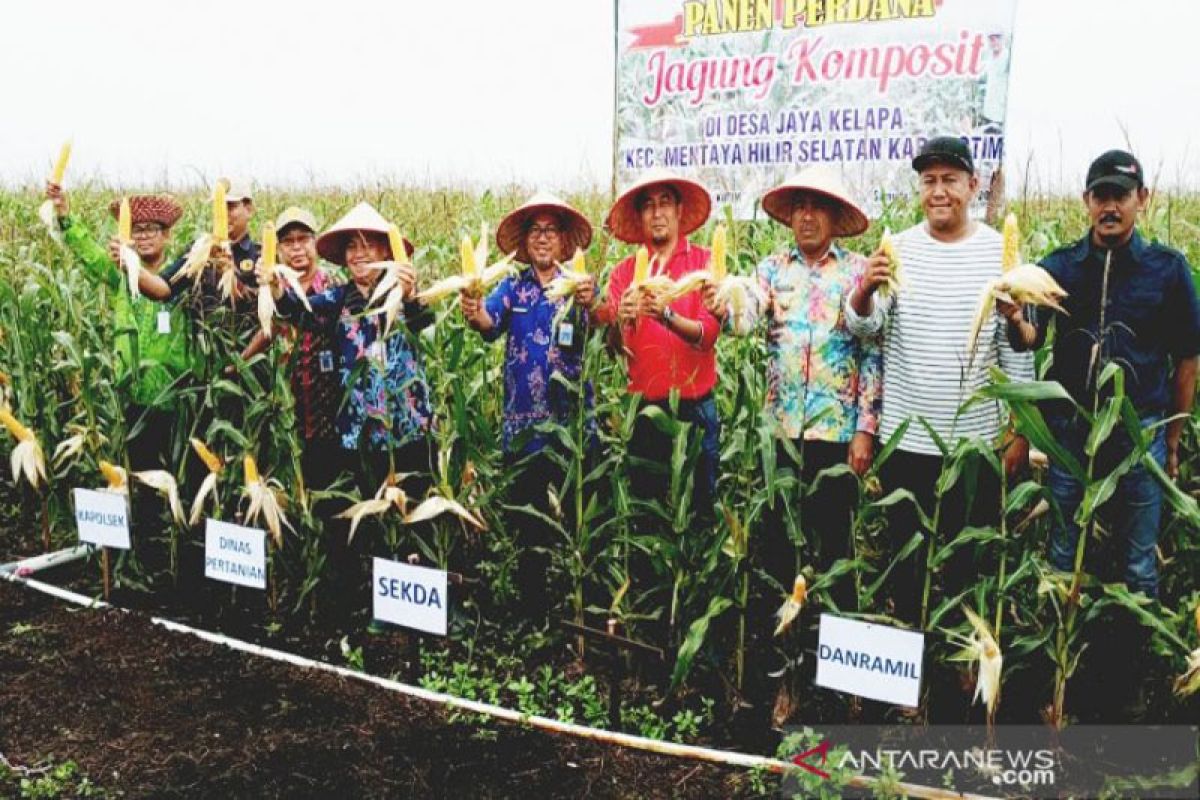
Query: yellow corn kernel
x,y
719,270
125,222
210,459
396,243
113,474
60,166
270,243
799,590
469,268
579,262
19,431
1012,243
220,213
641,266
251,470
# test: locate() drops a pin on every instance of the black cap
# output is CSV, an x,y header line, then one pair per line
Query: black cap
x,y
1118,168
945,150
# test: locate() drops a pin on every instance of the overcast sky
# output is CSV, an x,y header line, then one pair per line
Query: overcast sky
x,y
489,93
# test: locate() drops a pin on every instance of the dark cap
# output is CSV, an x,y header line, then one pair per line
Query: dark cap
x,y
1118,168
949,150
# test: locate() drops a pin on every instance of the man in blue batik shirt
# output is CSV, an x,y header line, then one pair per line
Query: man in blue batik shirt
x,y
543,340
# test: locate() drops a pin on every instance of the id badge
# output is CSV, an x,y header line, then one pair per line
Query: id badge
x,y
325,359
566,334
164,322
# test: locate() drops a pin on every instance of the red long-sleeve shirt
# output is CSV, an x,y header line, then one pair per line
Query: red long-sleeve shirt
x,y
661,360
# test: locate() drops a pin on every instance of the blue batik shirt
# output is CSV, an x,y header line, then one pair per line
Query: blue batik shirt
x,y
387,394
536,349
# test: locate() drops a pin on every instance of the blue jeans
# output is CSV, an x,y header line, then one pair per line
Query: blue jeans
x,y
1135,508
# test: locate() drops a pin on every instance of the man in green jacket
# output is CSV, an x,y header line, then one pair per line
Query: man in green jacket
x,y
151,342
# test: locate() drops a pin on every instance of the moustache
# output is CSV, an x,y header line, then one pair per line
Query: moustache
x,y
1110,217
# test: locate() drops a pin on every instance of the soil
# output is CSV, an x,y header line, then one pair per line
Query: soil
x,y
148,713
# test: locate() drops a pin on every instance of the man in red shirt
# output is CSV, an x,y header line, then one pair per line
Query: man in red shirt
x,y
670,345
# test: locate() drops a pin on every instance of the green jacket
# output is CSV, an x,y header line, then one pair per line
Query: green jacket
x,y
152,360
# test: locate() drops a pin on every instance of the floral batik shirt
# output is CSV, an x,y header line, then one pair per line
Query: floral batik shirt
x,y
822,381
542,341
387,395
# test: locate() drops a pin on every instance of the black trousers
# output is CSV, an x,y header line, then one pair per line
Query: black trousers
x,y
974,500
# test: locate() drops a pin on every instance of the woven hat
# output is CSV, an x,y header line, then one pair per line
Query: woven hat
x,y
161,208
576,230
626,223
848,220
331,245
294,215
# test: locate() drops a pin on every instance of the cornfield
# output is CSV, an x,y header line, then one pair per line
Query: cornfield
x,y
56,335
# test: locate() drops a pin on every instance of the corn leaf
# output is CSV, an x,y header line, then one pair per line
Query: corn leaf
x,y
692,643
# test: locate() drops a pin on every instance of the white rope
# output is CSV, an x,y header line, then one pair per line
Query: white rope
x,y
725,757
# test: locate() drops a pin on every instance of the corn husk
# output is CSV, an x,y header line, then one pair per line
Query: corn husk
x,y
118,480
436,506
1188,683
50,221
981,648
790,609
27,459
389,496
163,482
1027,284
275,278
266,501
208,487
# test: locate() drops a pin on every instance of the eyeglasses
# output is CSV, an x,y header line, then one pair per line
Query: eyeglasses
x,y
148,229
544,230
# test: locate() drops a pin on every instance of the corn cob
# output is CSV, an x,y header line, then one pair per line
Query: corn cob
x,y
220,214
788,612
896,278
396,243
270,244
118,481
125,223
1012,243
27,457
60,165
1027,284
719,270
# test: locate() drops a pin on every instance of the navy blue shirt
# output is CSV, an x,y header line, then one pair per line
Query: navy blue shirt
x,y
1151,317
243,249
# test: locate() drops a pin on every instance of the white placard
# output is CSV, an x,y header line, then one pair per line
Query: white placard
x,y
869,660
234,554
414,597
102,517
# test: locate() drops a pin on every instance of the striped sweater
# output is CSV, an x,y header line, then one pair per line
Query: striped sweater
x,y
926,331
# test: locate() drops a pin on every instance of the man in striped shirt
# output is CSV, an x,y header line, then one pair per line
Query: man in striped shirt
x,y
926,324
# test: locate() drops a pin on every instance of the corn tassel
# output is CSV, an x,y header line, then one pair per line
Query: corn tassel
x,y
790,609
27,457
1012,243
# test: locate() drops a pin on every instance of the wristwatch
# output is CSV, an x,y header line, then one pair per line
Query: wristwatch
x,y
667,315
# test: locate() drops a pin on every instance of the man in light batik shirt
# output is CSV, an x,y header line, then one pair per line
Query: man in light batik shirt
x,y
823,382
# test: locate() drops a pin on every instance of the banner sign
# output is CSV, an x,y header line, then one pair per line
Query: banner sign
x,y
235,554
739,94
414,597
102,517
869,660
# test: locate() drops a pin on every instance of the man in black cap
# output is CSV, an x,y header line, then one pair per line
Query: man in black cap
x,y
1132,303
926,321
